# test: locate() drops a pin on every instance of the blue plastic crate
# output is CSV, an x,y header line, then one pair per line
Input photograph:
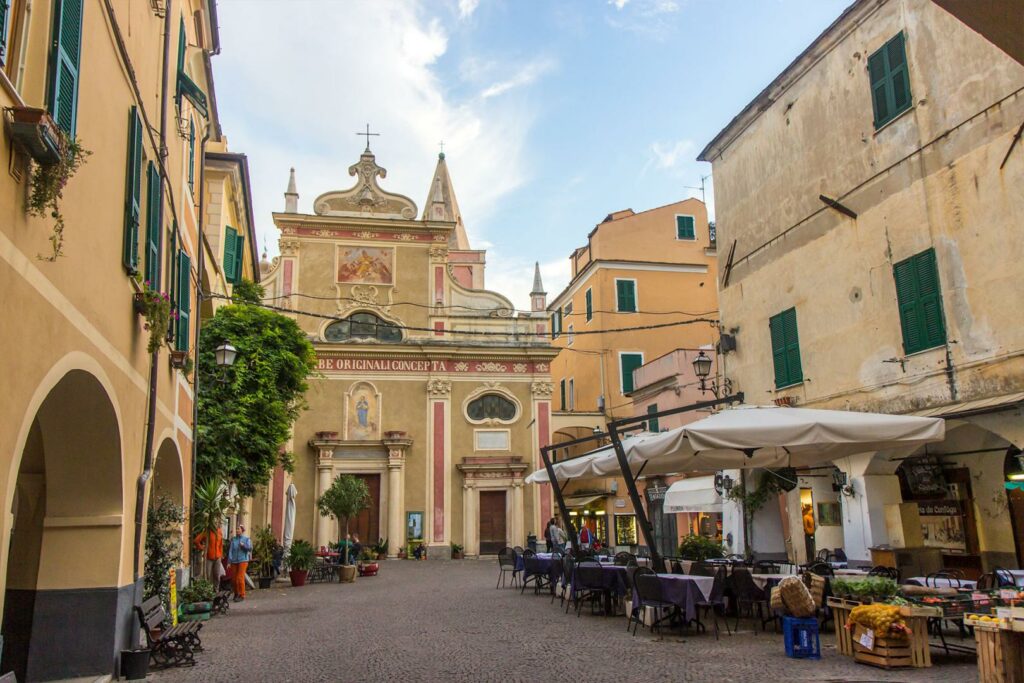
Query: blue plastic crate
x,y
801,637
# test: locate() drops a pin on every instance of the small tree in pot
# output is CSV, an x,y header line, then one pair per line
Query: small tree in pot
x,y
299,560
347,497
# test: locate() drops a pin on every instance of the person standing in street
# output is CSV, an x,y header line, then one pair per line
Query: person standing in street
x,y
547,534
585,537
213,543
239,554
558,537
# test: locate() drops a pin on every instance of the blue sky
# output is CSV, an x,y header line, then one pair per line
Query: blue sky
x,y
553,114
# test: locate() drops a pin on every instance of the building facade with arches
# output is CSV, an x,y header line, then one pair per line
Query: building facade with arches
x,y
432,389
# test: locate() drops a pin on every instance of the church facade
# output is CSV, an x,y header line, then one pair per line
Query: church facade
x,y
432,389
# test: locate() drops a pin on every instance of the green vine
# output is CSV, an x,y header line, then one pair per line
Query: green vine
x,y
48,184
769,487
155,307
163,550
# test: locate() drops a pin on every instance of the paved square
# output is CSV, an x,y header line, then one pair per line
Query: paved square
x,y
445,621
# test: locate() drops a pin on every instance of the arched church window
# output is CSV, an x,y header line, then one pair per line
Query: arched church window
x,y
491,407
363,326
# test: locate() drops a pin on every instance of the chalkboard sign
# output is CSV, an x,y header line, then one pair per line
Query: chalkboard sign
x,y
924,477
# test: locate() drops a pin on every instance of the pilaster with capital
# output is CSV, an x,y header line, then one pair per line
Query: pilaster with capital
x,y
438,531
397,448
470,498
324,478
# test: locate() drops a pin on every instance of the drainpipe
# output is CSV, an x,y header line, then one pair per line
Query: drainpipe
x,y
154,362
200,266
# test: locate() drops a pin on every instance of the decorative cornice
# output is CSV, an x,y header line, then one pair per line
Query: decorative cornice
x,y
437,387
542,389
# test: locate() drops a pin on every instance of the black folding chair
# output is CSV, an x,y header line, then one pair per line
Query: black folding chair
x,y
589,585
748,594
648,594
507,565
715,601
533,573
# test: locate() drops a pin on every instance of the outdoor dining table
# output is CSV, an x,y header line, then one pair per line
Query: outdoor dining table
x,y
941,582
613,578
684,591
851,572
764,581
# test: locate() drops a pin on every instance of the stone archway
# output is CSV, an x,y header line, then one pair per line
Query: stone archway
x,y
168,478
63,609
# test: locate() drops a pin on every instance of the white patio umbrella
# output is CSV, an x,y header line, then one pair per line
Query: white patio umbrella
x,y
582,467
768,436
693,494
289,517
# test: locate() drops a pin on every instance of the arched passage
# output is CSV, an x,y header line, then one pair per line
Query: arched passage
x,y
61,603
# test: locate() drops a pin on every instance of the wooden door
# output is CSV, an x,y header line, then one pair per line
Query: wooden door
x,y
492,522
367,523
1016,497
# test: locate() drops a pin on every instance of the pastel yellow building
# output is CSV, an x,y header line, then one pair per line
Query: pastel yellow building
x,y
96,425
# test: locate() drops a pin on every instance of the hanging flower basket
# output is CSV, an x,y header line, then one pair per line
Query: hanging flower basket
x,y
178,359
155,307
35,131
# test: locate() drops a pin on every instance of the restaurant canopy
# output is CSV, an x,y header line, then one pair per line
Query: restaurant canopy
x,y
694,494
582,467
746,437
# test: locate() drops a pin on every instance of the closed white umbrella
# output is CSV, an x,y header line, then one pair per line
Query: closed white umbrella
x,y
694,494
289,516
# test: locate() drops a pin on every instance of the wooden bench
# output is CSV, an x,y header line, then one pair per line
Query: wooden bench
x,y
222,602
168,645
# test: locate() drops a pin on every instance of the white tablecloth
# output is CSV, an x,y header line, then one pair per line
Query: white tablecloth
x,y
703,583
762,579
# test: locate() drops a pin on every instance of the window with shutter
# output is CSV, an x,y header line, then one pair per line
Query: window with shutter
x,y
133,193
785,349
154,212
628,362
919,297
191,154
561,393
230,248
625,291
184,301
556,324
890,80
5,22
590,304
65,56
652,423
239,257
686,228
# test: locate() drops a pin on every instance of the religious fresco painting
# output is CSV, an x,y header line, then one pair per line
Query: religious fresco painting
x,y
363,412
366,265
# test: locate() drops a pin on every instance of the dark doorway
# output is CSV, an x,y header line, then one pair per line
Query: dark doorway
x,y
1015,497
492,522
367,523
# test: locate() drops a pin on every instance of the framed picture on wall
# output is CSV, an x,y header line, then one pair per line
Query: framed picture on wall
x,y
414,526
625,529
829,514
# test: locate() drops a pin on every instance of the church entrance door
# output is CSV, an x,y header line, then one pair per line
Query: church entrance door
x,y
367,523
492,522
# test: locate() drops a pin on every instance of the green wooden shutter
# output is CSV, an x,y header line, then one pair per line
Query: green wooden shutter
x,y
625,291
685,229
184,300
778,350
590,304
907,298
154,211
919,297
181,62
652,423
879,76
785,348
628,363
561,391
191,153
133,193
239,257
5,13
230,245
65,55
890,80
899,75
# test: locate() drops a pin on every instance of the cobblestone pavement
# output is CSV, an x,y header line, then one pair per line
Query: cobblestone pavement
x,y
445,621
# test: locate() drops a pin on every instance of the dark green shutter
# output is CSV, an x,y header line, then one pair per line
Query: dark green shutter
x,y
652,423
890,80
154,210
785,349
239,257
685,229
628,363
626,294
191,153
230,247
919,296
590,304
65,55
181,62
561,391
5,13
133,193
184,300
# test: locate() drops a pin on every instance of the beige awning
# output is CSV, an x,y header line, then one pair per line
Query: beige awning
x,y
981,405
583,501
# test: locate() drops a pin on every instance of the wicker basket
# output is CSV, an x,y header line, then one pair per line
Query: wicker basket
x,y
796,597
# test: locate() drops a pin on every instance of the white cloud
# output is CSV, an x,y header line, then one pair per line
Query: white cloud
x,y
670,154
619,4
513,276
467,7
526,74
649,18
337,66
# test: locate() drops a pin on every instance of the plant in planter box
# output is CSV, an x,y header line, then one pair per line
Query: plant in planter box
x,y
698,548
155,307
867,589
300,559
48,182
197,597
457,551
263,547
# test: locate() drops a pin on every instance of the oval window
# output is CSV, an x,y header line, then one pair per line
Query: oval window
x,y
363,326
491,407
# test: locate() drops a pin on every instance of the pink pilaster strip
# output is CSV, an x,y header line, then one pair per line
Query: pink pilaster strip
x,y
287,288
543,439
438,471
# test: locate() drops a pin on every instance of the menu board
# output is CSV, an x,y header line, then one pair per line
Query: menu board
x,y
942,524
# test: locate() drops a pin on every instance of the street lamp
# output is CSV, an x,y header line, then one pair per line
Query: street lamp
x,y
225,355
702,368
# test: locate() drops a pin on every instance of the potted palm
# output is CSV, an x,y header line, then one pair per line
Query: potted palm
x,y
263,546
300,559
381,549
346,498
457,551
211,505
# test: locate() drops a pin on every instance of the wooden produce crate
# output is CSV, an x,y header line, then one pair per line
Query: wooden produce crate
x,y
888,653
1000,654
841,608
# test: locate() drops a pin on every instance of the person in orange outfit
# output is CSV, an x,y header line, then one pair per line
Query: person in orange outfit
x,y
239,554
213,544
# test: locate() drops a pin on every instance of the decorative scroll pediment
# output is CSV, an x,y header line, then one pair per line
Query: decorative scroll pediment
x,y
365,197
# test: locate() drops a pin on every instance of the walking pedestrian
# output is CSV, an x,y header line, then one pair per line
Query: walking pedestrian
x,y
239,554
212,542
558,537
585,537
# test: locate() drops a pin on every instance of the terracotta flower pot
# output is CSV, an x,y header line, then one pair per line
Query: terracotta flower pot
x,y
347,573
298,576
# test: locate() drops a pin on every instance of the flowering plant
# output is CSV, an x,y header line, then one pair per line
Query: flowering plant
x,y
155,307
48,184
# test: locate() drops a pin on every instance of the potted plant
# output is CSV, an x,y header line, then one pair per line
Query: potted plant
x,y
299,560
48,184
155,307
263,546
36,132
211,504
457,553
699,548
197,600
347,497
368,565
380,549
